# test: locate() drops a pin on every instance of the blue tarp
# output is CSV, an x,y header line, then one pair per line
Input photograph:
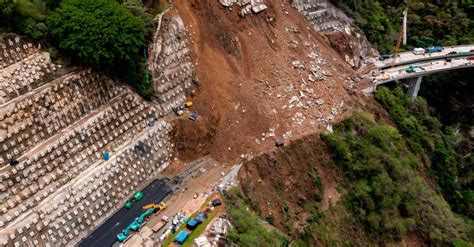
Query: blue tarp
x,y
181,237
105,156
200,217
192,224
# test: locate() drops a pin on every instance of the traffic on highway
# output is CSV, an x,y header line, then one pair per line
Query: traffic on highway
x,y
420,69
421,54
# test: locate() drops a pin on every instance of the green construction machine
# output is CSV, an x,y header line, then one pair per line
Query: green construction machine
x,y
135,225
124,234
137,197
139,221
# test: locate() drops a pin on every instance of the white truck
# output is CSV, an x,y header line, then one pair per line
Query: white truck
x,y
419,51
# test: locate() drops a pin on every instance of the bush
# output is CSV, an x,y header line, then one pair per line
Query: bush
x,y
317,197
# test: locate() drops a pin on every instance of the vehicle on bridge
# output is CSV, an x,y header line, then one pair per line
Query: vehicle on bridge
x,y
419,51
434,49
385,57
414,68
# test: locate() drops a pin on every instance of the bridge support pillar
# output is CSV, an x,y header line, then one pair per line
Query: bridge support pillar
x,y
414,86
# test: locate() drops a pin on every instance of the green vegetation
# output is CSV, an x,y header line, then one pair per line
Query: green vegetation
x,y
452,169
110,38
429,22
248,229
385,195
108,35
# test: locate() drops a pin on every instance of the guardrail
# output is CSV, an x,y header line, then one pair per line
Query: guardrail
x,y
424,59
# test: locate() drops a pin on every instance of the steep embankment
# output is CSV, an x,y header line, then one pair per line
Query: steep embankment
x,y
264,77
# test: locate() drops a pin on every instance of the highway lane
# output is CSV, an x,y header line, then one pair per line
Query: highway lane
x,y
426,68
409,57
106,234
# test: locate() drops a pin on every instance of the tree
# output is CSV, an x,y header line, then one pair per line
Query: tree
x,y
102,34
7,8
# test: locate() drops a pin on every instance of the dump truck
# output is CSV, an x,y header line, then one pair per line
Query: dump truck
x,y
164,220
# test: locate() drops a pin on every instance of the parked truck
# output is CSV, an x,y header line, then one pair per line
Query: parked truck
x,y
164,220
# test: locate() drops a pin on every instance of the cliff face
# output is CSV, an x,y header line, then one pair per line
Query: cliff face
x,y
339,30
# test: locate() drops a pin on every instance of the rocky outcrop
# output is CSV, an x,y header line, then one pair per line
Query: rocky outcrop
x,y
339,30
246,6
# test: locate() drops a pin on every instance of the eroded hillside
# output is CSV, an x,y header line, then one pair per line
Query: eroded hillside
x,y
264,77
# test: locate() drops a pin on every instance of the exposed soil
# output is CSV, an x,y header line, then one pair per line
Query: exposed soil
x,y
282,182
247,77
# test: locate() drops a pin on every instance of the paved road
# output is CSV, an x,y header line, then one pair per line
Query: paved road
x,y
409,57
106,234
430,67
427,68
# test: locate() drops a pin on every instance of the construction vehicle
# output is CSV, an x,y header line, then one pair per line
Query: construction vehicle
x,y
401,35
121,237
137,197
137,223
164,220
188,104
157,207
179,110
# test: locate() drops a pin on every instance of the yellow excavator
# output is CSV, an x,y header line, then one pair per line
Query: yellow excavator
x,y
157,207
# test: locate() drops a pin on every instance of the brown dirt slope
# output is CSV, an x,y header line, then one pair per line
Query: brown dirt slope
x,y
282,182
251,93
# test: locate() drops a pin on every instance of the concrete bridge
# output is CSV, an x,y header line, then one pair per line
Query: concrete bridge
x,y
450,58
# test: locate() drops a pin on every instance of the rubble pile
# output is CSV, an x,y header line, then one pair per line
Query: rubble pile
x,y
246,6
341,32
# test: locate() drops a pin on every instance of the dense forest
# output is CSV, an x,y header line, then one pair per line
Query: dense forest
x,y
117,49
429,22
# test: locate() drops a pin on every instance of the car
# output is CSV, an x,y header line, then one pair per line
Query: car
x,y
452,53
216,202
414,68
434,49
385,57
193,117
